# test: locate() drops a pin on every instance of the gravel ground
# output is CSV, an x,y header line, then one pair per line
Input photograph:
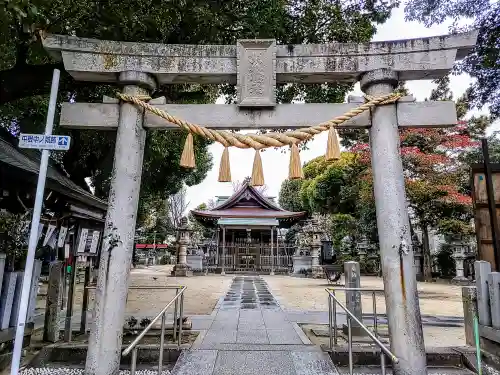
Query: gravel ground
x,y
310,294
202,294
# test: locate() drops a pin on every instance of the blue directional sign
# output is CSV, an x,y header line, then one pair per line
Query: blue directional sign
x,y
44,142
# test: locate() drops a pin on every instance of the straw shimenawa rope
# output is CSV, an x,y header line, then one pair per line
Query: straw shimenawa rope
x,y
260,141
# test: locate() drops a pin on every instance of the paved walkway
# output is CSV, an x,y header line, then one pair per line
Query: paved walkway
x,y
249,334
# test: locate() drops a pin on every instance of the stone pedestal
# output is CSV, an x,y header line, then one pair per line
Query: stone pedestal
x,y
54,290
182,270
301,263
353,299
195,262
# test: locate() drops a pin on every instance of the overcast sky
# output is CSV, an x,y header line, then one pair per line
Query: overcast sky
x,y
275,162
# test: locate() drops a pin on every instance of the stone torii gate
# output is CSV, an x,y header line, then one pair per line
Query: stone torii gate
x,y
255,66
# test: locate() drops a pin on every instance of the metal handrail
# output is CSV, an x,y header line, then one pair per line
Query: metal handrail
x,y
332,315
179,305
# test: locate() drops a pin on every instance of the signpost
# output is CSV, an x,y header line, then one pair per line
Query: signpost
x,y
45,142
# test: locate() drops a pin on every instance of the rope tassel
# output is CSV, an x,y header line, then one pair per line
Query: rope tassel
x,y
187,157
295,169
332,146
257,171
225,167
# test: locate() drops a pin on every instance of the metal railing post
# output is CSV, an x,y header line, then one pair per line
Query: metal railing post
x,y
334,312
180,319
330,321
350,316
132,348
133,365
162,343
349,344
175,316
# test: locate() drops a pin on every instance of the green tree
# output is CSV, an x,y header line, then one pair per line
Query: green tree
x,y
483,63
25,68
290,190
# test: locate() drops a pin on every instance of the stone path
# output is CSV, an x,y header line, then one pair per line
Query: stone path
x,y
250,334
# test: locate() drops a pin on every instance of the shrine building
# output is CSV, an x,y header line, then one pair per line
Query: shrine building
x,y
247,232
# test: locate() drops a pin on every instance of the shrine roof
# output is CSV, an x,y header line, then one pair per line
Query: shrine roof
x,y
247,202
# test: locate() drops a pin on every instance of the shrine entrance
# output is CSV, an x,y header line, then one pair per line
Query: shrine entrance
x,y
256,67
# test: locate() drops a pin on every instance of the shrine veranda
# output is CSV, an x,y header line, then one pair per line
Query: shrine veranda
x,y
256,66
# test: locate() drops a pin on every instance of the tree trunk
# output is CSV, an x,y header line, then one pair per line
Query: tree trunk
x,y
427,253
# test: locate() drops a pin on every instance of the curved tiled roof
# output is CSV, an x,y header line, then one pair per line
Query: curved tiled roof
x,y
30,162
247,202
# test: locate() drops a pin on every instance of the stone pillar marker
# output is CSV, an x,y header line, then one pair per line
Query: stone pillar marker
x,y
401,298
482,269
104,349
353,299
54,290
494,292
469,300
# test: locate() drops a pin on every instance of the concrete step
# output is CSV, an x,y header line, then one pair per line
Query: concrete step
x,y
376,370
251,362
81,371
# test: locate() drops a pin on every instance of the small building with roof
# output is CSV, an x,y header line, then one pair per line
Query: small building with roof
x,y
247,232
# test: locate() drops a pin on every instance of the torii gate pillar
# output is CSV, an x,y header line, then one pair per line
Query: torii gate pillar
x,y
396,253
116,254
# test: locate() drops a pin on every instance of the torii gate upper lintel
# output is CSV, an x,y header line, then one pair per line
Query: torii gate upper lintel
x,y
256,66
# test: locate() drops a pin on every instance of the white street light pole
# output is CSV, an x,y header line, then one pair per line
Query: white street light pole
x,y
35,221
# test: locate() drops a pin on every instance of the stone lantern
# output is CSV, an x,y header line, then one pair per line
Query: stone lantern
x,y
459,256
183,235
314,233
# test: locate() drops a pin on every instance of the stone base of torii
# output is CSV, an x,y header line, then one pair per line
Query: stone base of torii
x,y
256,66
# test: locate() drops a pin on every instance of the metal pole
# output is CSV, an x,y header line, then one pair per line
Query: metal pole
x,y
272,251
162,343
175,313
330,318
181,308
33,240
69,306
349,344
495,234
223,271
334,312
133,365
85,300
71,287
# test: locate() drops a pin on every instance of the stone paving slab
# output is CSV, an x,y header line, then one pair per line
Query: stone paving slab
x,y
283,336
195,362
261,347
253,362
220,336
250,325
255,336
313,363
